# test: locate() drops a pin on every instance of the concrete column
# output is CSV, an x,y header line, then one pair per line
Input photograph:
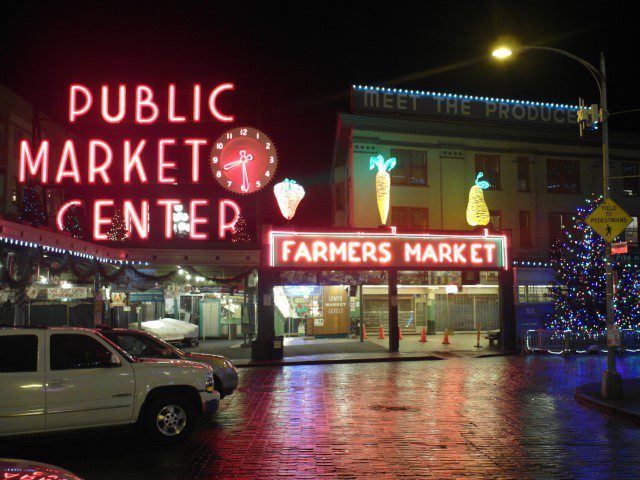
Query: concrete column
x,y
507,310
394,340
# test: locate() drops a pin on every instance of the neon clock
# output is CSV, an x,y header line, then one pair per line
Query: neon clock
x,y
243,160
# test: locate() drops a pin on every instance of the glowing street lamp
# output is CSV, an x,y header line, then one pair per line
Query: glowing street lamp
x,y
611,379
502,52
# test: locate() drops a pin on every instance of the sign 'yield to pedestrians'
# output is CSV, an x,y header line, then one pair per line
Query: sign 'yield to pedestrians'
x,y
608,220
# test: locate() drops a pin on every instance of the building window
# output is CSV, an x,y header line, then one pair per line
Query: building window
x,y
410,169
495,219
524,221
631,232
631,185
533,294
411,218
523,175
563,176
557,223
340,197
489,165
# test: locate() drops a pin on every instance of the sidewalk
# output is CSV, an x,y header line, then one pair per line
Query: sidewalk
x,y
335,358
627,407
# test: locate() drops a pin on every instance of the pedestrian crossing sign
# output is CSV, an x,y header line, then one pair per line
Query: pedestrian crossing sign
x,y
608,220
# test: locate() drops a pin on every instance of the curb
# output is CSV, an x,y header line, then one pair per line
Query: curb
x,y
338,361
604,407
499,354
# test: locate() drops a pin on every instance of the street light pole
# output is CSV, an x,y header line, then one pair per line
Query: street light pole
x,y
611,379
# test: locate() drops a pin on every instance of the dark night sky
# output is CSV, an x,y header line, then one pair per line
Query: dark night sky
x,y
293,66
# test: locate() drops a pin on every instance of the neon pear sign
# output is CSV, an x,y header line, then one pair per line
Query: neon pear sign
x,y
140,105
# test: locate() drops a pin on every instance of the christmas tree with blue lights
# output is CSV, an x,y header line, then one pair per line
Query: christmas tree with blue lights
x,y
578,289
31,210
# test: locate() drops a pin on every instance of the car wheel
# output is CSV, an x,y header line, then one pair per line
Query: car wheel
x,y
169,419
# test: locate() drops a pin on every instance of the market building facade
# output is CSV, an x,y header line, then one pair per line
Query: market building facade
x,y
538,169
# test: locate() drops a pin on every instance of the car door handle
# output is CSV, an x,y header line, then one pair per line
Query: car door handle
x,y
57,383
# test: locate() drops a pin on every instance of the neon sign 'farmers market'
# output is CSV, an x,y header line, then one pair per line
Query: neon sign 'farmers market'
x,y
104,162
386,249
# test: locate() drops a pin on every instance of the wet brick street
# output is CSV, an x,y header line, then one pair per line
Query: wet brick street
x,y
500,417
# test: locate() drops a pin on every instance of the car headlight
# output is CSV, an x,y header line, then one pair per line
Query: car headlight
x,y
209,384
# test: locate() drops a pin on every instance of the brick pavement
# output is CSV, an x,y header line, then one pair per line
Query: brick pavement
x,y
501,417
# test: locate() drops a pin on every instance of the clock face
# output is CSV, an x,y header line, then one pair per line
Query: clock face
x,y
243,160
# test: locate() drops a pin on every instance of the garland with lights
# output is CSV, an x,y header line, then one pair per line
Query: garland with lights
x,y
84,270
240,232
578,289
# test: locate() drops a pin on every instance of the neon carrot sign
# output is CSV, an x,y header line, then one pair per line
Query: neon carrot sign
x,y
98,162
386,249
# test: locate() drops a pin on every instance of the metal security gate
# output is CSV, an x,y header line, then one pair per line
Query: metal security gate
x,y
376,312
464,312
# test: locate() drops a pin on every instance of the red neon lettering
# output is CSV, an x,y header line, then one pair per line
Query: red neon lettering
x,y
385,249
195,220
162,164
335,250
353,256
490,248
28,163
139,222
303,251
74,110
445,250
213,98
286,249
368,251
122,104
133,160
475,258
319,249
68,155
63,211
99,169
429,253
144,99
411,251
197,95
458,257
173,118
195,156
168,204
223,224
99,220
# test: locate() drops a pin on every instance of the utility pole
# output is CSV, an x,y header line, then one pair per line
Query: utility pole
x,y
611,379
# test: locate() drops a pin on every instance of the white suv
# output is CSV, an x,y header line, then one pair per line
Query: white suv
x,y
59,379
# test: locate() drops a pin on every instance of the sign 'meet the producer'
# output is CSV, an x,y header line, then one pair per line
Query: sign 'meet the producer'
x,y
608,220
380,100
382,250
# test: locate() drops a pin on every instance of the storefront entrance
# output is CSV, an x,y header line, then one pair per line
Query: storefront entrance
x,y
428,284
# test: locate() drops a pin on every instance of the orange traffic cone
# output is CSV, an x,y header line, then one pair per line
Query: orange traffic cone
x,y
364,333
445,340
423,337
400,337
381,333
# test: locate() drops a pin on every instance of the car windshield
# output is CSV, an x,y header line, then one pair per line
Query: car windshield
x,y
140,345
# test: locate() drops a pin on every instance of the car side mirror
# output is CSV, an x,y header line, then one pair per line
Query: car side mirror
x,y
114,361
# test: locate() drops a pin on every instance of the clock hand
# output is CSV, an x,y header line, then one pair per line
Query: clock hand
x,y
230,165
245,178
